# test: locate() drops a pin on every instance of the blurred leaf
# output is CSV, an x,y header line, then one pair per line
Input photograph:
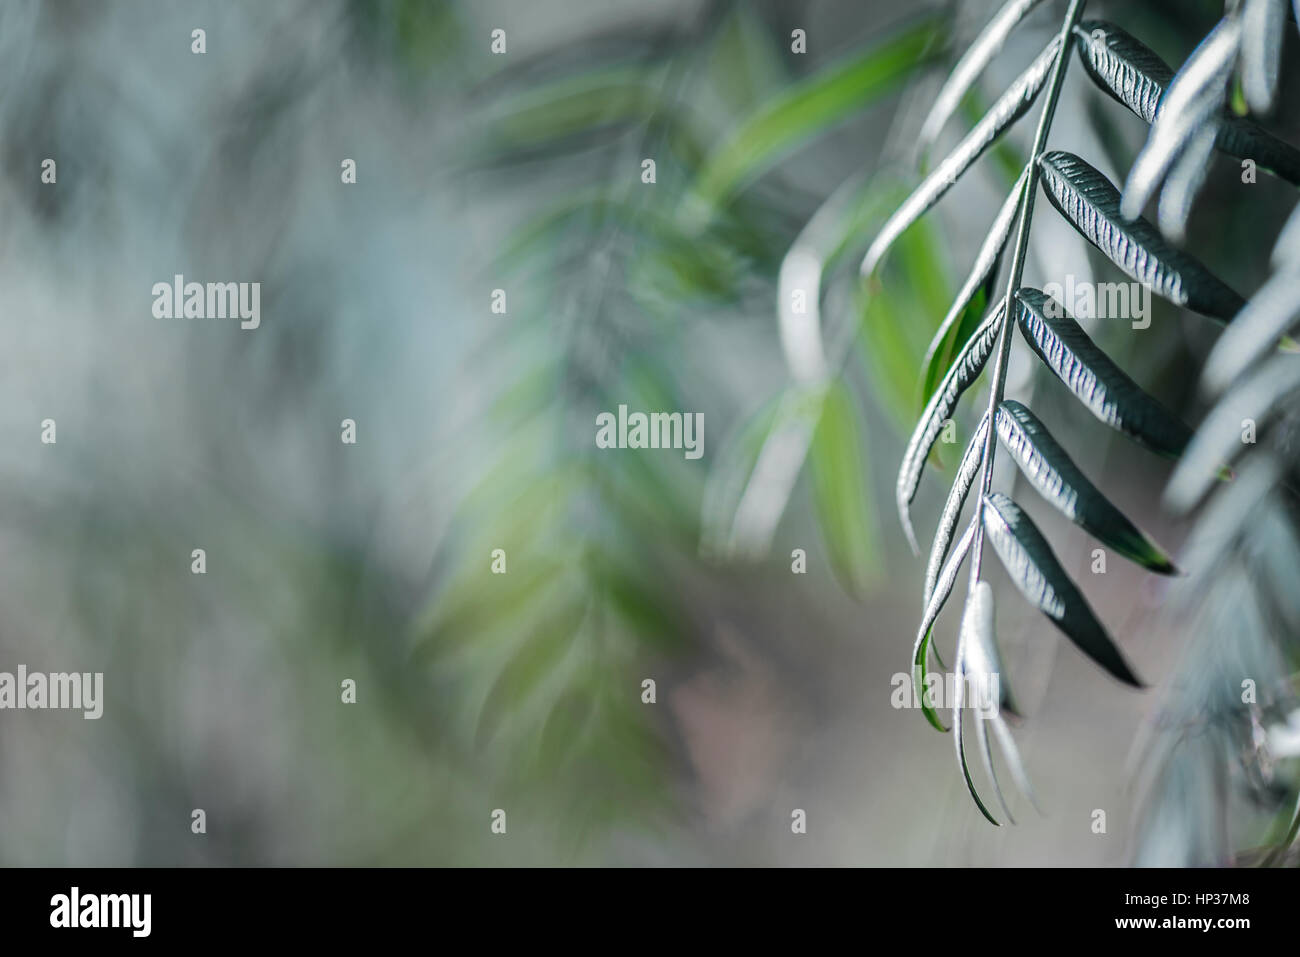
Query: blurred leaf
x,y
841,493
1011,106
982,51
812,107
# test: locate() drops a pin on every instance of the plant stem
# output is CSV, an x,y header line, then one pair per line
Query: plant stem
x,y
1072,17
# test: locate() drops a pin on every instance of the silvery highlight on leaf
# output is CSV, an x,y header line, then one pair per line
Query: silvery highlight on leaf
x,y
700,434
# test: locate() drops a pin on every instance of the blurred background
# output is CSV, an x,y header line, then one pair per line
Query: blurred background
x,y
522,171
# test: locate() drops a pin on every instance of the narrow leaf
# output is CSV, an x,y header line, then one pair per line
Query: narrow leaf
x,y
969,467
942,589
1262,23
1053,473
1089,201
964,317
982,664
1095,380
1135,76
1124,67
938,410
959,740
1184,184
1219,439
983,658
973,62
787,122
1195,95
1272,312
1040,578
840,491
1009,107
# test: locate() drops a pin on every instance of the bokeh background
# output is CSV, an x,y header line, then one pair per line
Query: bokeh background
x,y
475,431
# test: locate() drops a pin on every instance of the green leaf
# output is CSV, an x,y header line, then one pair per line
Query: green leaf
x,y
841,491
1009,107
1040,578
1091,203
532,663
938,410
812,107
1096,381
968,468
968,309
1053,473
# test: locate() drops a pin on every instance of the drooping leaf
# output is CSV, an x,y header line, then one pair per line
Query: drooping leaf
x,y
968,309
1262,23
1091,203
982,51
968,468
1135,76
983,657
982,665
1184,184
1195,95
1009,107
942,589
965,370
1096,381
1053,473
1218,441
1272,313
978,614
1038,575
809,108
840,491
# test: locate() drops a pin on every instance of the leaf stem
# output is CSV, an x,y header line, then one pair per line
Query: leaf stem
x,y
1045,118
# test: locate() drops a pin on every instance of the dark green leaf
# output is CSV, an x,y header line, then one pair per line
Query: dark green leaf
x,y
1089,373
1091,203
1053,473
1040,578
